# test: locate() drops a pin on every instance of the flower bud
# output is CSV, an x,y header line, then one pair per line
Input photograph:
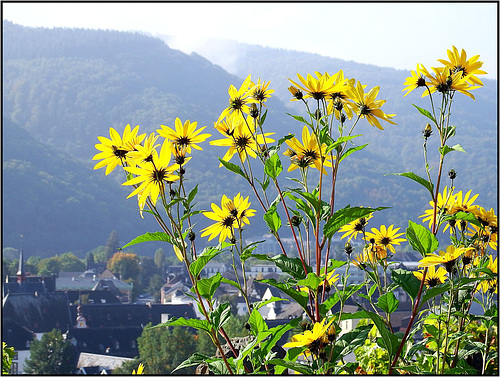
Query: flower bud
x,y
317,114
295,220
348,248
297,93
427,131
452,174
254,112
191,236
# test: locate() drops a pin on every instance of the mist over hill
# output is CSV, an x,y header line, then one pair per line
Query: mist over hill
x,y
64,87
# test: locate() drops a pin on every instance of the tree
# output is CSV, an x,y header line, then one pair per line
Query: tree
x,y
51,355
112,245
162,349
160,258
125,264
154,287
49,266
7,357
70,262
89,260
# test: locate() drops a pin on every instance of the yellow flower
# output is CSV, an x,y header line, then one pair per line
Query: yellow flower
x,y
314,340
240,137
463,203
144,153
444,82
140,369
458,62
308,152
239,207
368,106
239,99
185,135
447,259
355,227
417,79
317,88
490,284
338,100
152,176
433,277
385,237
444,202
259,91
231,214
114,151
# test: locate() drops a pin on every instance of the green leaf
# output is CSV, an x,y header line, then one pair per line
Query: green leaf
x,y
195,359
208,286
352,150
292,266
422,181
312,281
434,291
232,167
155,236
389,340
273,166
406,280
344,216
302,205
425,113
348,342
220,315
192,194
301,368
444,150
201,324
272,219
206,256
301,298
263,118
300,119
257,323
449,131
421,239
388,302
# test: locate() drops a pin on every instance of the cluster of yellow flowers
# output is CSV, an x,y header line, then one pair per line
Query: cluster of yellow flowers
x,y
153,171
457,74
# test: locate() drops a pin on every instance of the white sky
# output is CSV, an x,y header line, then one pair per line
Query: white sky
x,y
398,35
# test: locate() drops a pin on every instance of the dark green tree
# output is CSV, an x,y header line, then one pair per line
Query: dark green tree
x,y
112,245
51,355
160,258
49,266
70,262
154,287
162,349
89,260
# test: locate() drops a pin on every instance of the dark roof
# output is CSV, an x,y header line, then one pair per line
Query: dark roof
x,y
39,312
16,335
120,342
126,315
94,296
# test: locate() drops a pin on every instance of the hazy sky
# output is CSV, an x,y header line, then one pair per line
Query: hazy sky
x,y
395,35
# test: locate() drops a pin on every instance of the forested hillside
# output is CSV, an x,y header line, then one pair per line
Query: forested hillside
x,y
64,87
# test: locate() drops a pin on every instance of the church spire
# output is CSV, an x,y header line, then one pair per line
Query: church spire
x,y
21,276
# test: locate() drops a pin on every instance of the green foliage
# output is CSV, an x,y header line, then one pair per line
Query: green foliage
x,y
51,355
162,349
372,359
7,357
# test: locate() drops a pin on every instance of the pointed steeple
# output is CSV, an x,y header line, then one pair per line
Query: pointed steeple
x,y
21,276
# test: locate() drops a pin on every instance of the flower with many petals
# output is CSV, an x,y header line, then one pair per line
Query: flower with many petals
x,y
444,203
433,277
368,106
317,88
385,237
240,137
469,68
308,152
314,339
239,99
185,134
448,259
355,227
114,151
152,177
418,79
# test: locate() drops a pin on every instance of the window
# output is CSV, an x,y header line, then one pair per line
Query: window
x,y
13,368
